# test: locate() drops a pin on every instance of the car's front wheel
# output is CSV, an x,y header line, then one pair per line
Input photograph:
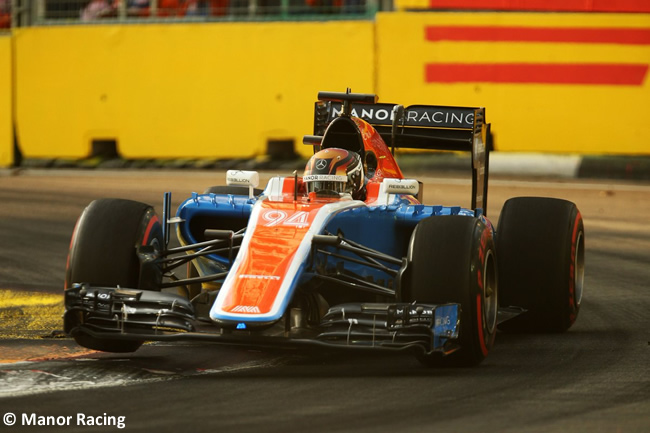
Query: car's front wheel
x,y
451,259
103,253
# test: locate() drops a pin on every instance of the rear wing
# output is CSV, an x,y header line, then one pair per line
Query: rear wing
x,y
430,127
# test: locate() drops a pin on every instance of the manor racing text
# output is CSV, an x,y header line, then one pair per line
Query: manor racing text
x,y
80,419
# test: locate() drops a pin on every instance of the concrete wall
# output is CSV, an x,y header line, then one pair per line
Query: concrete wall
x,y
6,118
550,82
181,90
567,83
618,6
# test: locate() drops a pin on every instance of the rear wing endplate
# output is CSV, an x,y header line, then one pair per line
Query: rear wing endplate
x,y
431,127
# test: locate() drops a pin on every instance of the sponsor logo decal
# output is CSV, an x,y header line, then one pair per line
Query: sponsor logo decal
x,y
402,186
260,277
246,309
439,118
324,177
372,115
416,116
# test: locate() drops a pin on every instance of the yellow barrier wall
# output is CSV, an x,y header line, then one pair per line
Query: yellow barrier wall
x,y
222,90
6,135
609,116
182,90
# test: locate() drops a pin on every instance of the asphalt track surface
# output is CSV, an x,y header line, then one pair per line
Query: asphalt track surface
x,y
593,378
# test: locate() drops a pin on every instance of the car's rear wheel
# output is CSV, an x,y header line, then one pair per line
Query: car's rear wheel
x,y
540,242
452,260
103,253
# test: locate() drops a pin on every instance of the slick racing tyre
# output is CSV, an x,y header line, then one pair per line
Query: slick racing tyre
x,y
452,259
103,253
540,243
234,190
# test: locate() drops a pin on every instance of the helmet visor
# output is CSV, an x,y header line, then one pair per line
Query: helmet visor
x,y
325,182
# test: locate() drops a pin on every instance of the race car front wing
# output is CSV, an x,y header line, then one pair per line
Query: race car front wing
x,y
130,314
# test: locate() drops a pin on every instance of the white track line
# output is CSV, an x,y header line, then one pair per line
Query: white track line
x,y
30,378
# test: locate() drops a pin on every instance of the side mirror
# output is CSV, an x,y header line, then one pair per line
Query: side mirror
x,y
401,186
251,179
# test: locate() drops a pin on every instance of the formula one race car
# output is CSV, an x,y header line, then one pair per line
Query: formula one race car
x,y
345,256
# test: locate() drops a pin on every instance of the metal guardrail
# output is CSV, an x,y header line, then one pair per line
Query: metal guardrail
x,y
22,13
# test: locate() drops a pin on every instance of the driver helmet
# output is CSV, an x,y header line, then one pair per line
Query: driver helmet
x,y
334,171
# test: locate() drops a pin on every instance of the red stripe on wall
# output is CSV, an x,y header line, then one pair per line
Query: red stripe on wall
x,y
546,5
544,73
625,36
